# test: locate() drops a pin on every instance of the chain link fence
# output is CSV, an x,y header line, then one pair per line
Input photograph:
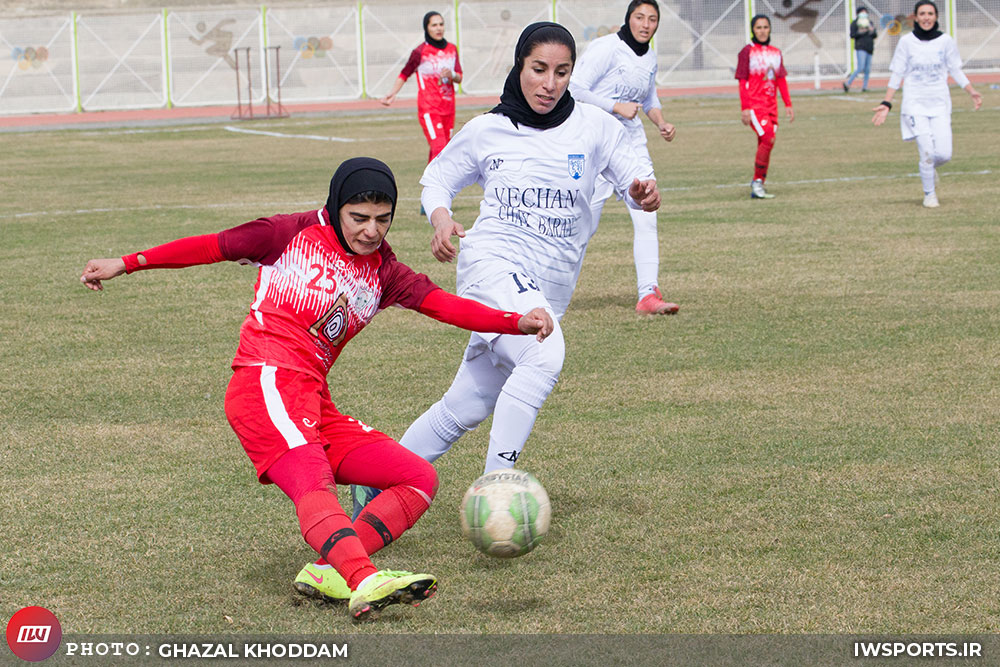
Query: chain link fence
x,y
343,51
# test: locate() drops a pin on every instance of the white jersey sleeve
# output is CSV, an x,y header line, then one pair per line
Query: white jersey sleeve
x,y
590,69
954,64
443,179
898,64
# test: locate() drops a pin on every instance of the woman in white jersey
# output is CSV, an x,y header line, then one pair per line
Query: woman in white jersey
x,y
537,156
618,74
925,58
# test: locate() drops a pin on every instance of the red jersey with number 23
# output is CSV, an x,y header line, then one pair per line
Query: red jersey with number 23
x,y
759,67
311,296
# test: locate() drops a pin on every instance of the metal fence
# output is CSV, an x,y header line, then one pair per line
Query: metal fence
x,y
342,51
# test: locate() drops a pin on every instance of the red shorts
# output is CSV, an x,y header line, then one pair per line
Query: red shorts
x,y
763,123
437,130
274,410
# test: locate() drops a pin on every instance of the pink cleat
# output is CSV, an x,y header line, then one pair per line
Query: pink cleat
x,y
653,304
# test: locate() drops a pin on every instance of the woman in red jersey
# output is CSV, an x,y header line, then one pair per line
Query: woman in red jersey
x,y
438,70
761,73
323,275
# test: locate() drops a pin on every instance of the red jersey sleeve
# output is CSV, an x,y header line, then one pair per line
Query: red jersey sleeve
x,y
742,76
401,284
743,63
411,65
783,89
468,314
458,65
188,251
263,240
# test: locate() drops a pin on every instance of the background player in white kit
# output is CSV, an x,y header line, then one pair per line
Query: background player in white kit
x,y
618,74
924,59
537,156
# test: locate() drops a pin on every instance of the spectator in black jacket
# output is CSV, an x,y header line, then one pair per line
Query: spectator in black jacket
x,y
863,33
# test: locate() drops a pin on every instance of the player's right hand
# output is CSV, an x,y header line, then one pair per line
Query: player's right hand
x,y
745,116
627,109
536,321
881,113
387,100
101,269
444,228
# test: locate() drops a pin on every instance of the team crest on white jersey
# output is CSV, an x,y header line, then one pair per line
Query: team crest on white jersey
x,y
575,163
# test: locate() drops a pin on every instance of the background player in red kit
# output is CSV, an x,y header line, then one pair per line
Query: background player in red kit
x,y
438,70
761,73
323,276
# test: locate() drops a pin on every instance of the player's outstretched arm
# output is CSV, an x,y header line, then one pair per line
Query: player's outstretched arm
x,y
536,321
391,97
471,315
101,269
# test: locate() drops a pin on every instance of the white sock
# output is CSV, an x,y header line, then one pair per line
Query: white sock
x,y
645,250
513,420
432,433
364,581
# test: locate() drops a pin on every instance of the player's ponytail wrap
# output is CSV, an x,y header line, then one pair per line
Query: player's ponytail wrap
x,y
353,177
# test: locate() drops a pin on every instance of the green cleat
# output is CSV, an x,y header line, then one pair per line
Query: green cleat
x,y
322,583
388,587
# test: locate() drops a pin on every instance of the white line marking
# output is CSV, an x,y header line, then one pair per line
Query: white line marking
x,y
282,135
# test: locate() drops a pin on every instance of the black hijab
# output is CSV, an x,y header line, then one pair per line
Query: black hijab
x,y
625,34
354,176
512,101
920,33
753,22
436,43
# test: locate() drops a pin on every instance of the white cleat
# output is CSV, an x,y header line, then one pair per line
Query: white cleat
x,y
757,190
931,200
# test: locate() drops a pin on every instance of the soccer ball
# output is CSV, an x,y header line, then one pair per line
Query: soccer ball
x,y
863,22
506,513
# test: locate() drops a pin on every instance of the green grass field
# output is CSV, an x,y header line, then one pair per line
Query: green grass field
x,y
810,446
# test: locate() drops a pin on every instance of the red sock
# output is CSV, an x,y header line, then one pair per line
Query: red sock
x,y
389,515
763,157
327,529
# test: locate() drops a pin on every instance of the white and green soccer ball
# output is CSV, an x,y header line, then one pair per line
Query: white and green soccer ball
x,y
506,513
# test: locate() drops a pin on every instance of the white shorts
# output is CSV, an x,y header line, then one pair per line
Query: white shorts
x,y
511,291
913,126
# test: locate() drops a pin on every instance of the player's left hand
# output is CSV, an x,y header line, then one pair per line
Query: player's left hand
x,y
646,194
667,131
536,321
790,112
977,100
101,269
